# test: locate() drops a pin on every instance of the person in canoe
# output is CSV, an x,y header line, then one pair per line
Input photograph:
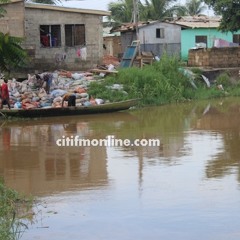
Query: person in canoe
x,y
70,98
4,94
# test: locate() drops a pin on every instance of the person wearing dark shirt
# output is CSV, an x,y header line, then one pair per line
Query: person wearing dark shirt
x,y
70,98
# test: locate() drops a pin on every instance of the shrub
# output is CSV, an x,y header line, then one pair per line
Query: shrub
x,y
162,82
11,226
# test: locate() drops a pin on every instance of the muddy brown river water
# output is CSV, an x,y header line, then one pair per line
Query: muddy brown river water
x,y
187,188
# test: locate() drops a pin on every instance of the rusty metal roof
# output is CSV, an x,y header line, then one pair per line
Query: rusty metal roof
x,y
199,21
125,27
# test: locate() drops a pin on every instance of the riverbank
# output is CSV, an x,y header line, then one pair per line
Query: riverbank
x,y
13,209
164,82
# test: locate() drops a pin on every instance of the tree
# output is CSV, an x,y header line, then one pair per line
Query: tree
x,y
230,12
121,10
195,7
12,55
158,9
150,10
191,8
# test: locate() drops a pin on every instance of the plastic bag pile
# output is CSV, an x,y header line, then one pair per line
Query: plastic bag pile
x,y
28,94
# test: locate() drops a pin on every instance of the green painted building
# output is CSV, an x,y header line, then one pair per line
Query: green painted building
x,y
202,29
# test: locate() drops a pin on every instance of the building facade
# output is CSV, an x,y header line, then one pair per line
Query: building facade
x,y
156,37
56,37
202,30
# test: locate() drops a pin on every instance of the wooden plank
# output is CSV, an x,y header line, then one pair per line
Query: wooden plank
x,y
102,71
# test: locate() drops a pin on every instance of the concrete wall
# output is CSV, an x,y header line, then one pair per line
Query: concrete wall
x,y
188,38
45,57
113,45
215,57
13,20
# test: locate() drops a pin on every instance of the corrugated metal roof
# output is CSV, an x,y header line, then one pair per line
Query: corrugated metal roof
x,y
107,32
199,21
67,9
125,27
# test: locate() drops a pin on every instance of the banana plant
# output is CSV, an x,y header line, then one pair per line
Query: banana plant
x,y
12,55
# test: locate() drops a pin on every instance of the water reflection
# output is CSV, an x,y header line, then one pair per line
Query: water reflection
x,y
224,120
29,154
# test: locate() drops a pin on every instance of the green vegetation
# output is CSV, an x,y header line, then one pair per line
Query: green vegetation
x,y
160,83
12,55
191,8
12,207
153,9
230,12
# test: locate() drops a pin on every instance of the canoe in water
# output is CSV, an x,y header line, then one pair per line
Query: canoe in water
x,y
68,111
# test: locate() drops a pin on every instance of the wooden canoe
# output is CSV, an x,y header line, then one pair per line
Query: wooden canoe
x,y
69,111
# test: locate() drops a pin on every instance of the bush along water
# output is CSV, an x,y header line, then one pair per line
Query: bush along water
x,y
13,209
162,82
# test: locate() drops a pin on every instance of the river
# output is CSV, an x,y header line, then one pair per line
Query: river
x,y
185,188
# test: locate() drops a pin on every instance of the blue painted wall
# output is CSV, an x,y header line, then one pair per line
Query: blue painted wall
x,y
188,38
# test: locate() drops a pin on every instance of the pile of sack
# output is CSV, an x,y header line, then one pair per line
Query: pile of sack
x,y
29,94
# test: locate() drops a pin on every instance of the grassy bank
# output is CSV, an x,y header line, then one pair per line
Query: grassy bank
x,y
163,82
13,208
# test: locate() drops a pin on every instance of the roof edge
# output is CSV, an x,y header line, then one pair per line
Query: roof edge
x,y
66,9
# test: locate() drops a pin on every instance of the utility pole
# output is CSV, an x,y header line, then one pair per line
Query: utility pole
x,y
136,16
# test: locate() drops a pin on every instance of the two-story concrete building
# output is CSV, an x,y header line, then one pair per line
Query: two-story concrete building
x,y
54,36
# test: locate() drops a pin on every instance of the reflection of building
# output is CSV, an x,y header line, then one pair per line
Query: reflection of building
x,y
39,165
32,162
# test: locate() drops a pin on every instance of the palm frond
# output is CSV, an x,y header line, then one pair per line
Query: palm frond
x,y
12,55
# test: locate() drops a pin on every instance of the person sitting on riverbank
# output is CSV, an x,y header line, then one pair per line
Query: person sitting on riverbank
x,y
70,98
4,94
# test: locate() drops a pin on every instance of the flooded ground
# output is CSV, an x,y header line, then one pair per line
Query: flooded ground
x,y
186,188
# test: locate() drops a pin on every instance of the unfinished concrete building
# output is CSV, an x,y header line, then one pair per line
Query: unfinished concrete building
x,y
56,37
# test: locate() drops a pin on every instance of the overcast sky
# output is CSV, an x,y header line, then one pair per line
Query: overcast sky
x,y
92,4
103,4
88,4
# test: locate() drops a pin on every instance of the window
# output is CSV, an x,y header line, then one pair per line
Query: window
x,y
50,35
159,32
201,39
236,38
74,35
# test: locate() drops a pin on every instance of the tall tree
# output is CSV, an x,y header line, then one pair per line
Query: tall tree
x,y
149,10
195,7
191,8
158,9
12,55
230,11
121,10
